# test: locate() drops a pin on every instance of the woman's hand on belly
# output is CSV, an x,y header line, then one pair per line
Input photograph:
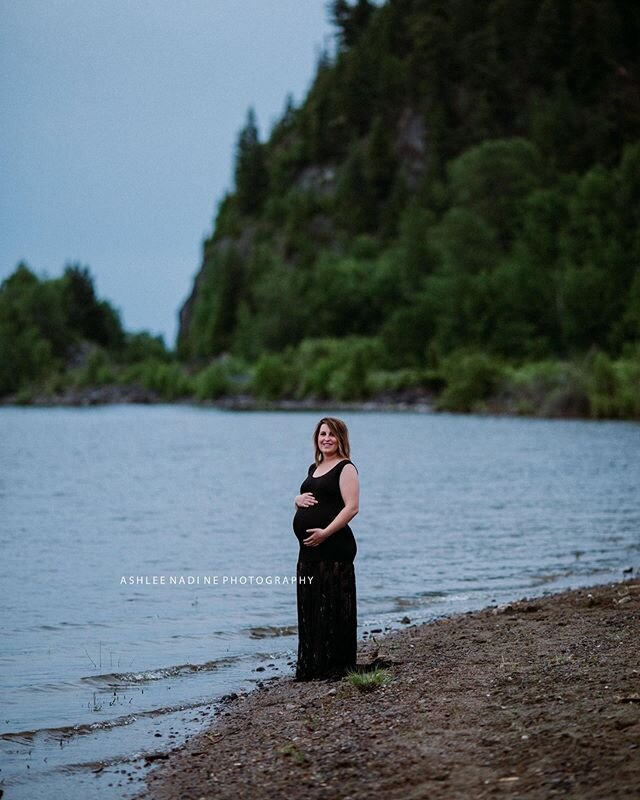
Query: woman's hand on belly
x,y
316,537
305,500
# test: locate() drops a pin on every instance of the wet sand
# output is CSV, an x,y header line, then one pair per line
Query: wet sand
x,y
537,699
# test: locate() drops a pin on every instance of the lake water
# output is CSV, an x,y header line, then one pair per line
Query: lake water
x,y
457,512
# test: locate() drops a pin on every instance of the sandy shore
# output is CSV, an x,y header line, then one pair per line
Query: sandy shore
x,y
538,699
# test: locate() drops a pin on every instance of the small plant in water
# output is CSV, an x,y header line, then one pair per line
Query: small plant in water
x,y
368,680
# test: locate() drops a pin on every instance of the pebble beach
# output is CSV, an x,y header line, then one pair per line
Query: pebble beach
x,y
536,699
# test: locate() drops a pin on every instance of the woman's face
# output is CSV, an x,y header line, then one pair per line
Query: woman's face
x,y
327,441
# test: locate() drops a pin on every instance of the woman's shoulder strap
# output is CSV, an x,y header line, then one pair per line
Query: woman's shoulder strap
x,y
344,463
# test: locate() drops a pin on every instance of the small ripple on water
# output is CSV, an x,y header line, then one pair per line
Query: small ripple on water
x,y
268,631
111,679
66,731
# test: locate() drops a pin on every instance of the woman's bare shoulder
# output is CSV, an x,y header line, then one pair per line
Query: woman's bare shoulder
x,y
349,468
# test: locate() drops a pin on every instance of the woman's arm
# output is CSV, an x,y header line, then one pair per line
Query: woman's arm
x,y
350,491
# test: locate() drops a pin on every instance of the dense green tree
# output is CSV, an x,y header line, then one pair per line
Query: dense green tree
x,y
549,41
43,320
416,257
251,175
467,243
356,199
380,162
494,179
350,20
93,319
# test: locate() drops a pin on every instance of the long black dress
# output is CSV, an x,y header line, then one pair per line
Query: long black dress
x,y
327,618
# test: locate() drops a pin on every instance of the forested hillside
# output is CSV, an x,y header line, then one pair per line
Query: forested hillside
x,y
451,215
463,178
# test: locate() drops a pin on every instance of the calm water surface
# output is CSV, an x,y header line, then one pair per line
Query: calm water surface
x,y
457,512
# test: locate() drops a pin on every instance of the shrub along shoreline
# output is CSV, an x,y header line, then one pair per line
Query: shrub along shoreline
x,y
347,375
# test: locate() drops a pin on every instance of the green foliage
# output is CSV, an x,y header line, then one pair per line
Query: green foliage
x,y
229,220
23,358
369,680
356,201
251,174
344,296
168,380
493,180
275,313
335,368
471,379
349,382
416,256
351,21
213,381
547,388
97,370
401,380
215,309
42,319
272,378
25,351
613,386
89,317
407,331
604,395
628,384
467,243
461,185
142,346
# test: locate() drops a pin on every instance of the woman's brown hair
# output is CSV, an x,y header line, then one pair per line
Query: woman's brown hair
x,y
339,430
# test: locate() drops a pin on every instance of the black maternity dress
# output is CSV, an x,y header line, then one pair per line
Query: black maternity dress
x,y
327,621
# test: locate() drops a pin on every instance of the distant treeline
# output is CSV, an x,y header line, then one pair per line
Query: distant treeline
x,y
453,210
50,325
58,340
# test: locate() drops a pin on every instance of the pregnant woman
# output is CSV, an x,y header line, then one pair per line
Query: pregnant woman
x,y
326,586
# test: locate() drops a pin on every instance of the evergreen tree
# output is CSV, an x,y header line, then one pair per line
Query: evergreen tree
x,y
356,202
416,257
381,164
90,318
251,176
350,21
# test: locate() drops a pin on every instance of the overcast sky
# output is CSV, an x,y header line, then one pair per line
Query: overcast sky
x,y
117,130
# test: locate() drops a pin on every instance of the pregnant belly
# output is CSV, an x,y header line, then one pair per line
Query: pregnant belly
x,y
313,517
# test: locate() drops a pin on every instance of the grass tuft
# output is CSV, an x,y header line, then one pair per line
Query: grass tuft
x,y
367,681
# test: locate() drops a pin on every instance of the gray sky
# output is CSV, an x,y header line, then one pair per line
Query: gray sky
x,y
117,130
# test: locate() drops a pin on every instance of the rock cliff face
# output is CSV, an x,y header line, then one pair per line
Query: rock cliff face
x,y
410,146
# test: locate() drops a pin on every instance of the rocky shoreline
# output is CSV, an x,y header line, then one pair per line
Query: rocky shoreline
x,y
416,400
536,699
114,394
